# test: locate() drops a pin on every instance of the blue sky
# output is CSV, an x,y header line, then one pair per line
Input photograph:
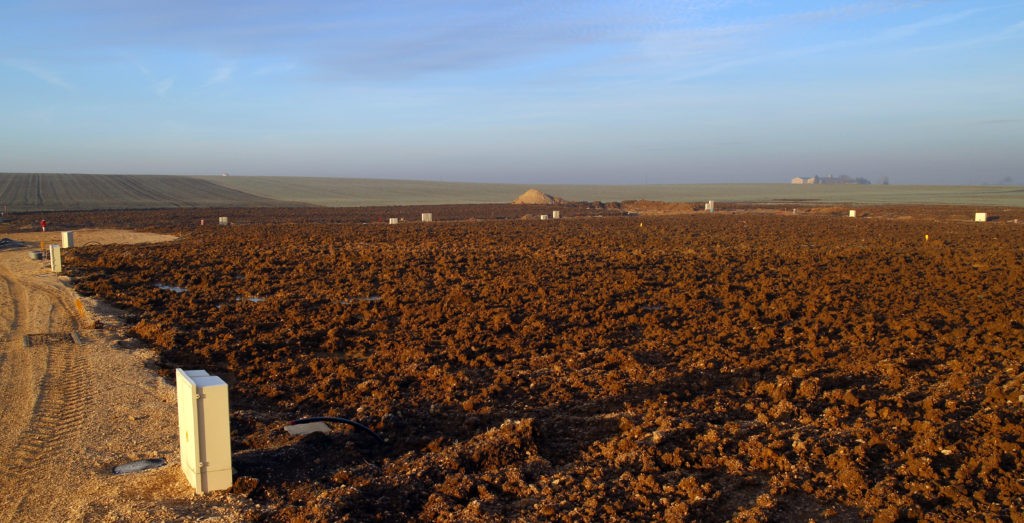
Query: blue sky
x,y
526,91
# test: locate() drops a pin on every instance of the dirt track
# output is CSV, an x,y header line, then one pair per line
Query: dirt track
x,y
75,404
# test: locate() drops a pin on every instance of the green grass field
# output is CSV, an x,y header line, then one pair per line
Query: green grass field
x,y
51,192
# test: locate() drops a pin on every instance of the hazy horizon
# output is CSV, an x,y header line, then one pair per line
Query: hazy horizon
x,y
655,92
581,183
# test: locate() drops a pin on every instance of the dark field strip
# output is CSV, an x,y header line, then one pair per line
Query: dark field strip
x,y
53,192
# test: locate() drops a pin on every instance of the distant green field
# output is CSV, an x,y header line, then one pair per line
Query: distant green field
x,y
346,192
51,192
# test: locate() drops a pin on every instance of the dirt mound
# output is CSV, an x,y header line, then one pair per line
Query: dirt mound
x,y
535,197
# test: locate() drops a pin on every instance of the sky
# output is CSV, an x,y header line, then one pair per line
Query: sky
x,y
552,91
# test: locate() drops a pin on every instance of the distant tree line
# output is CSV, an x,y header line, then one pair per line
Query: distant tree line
x,y
844,179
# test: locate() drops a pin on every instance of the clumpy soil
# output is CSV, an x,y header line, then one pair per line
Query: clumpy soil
x,y
737,365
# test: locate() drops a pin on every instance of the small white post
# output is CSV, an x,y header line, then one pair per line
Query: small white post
x,y
55,264
710,206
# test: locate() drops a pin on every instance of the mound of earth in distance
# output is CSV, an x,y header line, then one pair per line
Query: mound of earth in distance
x,y
535,197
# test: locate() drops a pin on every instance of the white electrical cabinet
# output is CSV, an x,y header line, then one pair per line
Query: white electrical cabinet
x,y
67,239
204,430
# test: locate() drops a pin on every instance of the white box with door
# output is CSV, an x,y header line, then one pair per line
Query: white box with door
x,y
204,430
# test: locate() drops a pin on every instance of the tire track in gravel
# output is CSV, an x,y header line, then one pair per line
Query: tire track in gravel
x,y
43,427
72,407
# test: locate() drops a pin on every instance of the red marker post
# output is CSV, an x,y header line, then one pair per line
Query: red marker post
x,y
42,223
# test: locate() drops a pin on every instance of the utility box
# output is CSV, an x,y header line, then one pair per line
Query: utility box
x,y
427,217
981,216
392,221
67,239
55,264
543,217
556,215
223,220
853,213
710,206
204,430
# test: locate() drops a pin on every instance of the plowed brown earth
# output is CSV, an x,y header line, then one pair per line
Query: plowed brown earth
x,y
186,219
700,366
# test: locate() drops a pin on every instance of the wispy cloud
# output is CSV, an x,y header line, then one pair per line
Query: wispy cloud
x,y
698,48
40,73
221,75
694,42
405,39
273,69
1009,33
884,36
162,87
913,29
384,40
480,44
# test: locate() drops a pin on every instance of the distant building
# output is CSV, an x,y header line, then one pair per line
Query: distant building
x,y
842,180
801,181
